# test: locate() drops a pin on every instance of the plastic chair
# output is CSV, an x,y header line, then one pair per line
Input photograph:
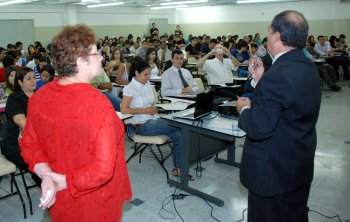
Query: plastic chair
x,y
200,84
141,143
8,168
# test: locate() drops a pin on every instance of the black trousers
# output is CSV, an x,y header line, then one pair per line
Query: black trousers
x,y
285,207
337,61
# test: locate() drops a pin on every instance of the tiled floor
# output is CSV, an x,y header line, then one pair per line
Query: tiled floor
x,y
330,192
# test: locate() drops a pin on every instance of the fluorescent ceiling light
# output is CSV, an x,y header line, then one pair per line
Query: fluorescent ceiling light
x,y
196,8
90,1
170,6
257,1
12,2
183,2
106,4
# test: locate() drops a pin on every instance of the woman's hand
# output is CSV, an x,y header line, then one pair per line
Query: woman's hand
x,y
47,186
58,179
151,110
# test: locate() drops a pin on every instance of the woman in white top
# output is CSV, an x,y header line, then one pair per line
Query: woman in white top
x,y
152,58
138,99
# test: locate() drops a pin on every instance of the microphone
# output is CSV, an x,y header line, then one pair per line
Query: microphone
x,y
261,53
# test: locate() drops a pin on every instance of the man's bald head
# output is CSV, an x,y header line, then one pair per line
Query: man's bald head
x,y
293,28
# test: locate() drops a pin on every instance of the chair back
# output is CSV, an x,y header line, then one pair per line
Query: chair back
x,y
200,84
155,94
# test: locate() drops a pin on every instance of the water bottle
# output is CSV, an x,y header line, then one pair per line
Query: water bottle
x,y
235,128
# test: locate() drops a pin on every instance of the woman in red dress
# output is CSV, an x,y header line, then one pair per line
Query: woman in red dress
x,y
73,139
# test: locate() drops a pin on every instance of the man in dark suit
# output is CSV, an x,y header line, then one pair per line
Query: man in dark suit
x,y
278,156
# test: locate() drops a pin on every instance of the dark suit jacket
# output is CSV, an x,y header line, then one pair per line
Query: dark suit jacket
x,y
278,154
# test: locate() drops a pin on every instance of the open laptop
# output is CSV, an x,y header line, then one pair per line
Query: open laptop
x,y
202,107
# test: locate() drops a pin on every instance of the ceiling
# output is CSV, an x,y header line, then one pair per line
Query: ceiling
x,y
133,3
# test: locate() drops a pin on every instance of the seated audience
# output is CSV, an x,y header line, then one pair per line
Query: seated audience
x,y
6,62
164,54
130,39
47,73
35,60
8,85
16,109
192,48
141,52
326,71
324,49
219,69
312,41
179,42
116,60
342,40
126,48
177,80
18,59
134,48
138,99
43,60
242,55
152,59
102,82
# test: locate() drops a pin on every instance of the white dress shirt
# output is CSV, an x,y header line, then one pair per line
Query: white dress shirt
x,y
142,97
167,54
219,72
172,84
323,49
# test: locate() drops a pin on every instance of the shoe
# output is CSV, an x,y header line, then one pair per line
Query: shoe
x,y
176,173
336,88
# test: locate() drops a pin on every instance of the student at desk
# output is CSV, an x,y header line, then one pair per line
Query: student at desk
x,y
138,99
177,80
219,69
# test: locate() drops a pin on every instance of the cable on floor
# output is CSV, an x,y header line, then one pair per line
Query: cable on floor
x,y
329,217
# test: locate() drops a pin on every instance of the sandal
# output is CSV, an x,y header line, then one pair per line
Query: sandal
x,y
176,173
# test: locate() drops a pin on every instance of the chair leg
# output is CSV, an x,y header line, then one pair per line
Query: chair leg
x,y
161,162
27,192
19,194
141,151
137,150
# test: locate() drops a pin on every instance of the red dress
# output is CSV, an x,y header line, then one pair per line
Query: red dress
x,y
75,129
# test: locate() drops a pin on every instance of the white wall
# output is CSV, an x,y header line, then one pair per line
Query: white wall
x,y
44,16
239,19
312,10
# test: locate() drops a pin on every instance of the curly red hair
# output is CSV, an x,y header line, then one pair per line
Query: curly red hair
x,y
70,44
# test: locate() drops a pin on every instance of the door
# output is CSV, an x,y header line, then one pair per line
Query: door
x,y
13,31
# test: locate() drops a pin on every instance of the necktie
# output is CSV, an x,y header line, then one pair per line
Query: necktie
x,y
183,79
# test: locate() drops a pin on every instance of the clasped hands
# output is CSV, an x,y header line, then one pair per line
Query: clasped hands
x,y
151,110
50,185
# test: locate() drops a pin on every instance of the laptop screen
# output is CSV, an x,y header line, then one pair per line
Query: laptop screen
x,y
204,103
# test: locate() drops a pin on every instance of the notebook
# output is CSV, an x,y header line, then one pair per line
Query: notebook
x,y
202,107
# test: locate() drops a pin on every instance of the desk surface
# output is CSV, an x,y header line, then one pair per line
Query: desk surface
x,y
117,85
155,79
176,104
240,78
212,122
123,116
